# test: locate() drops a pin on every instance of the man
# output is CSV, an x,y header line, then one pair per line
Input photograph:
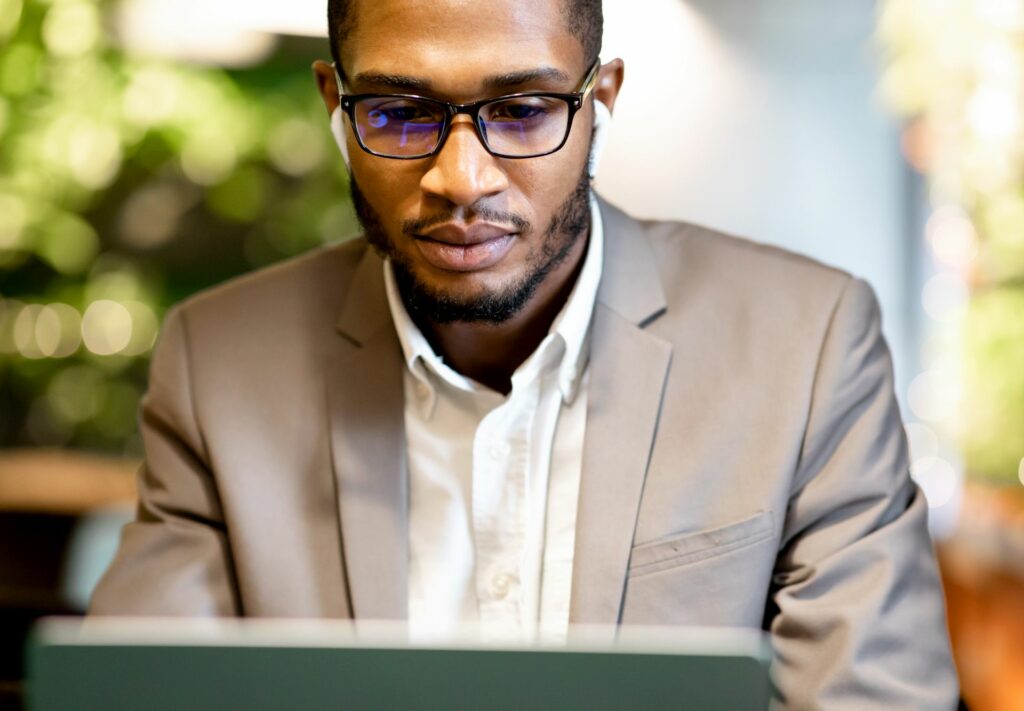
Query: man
x,y
511,404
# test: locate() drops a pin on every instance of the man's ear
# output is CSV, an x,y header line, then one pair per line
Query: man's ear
x,y
326,84
609,82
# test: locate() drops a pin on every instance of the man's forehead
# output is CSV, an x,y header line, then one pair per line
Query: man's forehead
x,y
465,16
482,42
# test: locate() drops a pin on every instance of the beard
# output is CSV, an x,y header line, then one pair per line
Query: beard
x,y
568,225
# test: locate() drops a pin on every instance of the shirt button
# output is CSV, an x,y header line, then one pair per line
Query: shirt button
x,y
500,585
422,391
499,450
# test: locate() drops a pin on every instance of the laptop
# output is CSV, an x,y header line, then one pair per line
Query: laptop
x,y
108,664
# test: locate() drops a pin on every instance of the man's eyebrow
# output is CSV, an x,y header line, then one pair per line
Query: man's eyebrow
x,y
526,76
402,82
392,81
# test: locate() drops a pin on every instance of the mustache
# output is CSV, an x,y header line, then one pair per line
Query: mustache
x,y
498,217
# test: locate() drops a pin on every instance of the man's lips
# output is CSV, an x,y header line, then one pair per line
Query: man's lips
x,y
466,235
463,249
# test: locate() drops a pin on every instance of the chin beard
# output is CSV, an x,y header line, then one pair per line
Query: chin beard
x,y
570,223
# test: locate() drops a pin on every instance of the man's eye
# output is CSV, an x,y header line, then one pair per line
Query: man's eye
x,y
399,113
406,113
518,111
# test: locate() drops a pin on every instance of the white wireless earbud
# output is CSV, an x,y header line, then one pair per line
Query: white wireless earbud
x,y
602,122
338,131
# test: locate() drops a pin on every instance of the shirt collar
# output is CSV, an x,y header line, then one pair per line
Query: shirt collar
x,y
415,347
571,326
573,321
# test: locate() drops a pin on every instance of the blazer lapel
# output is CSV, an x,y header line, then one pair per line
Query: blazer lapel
x,y
365,405
628,368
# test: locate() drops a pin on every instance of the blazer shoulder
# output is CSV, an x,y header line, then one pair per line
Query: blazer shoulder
x,y
696,246
309,286
744,291
697,262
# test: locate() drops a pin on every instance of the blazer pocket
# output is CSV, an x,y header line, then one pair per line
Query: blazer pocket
x,y
692,546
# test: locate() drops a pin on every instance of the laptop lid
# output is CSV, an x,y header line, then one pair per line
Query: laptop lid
x,y
164,665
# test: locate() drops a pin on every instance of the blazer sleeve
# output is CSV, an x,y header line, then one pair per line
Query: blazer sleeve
x,y
174,558
860,620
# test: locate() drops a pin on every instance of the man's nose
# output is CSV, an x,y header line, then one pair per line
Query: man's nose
x,y
463,171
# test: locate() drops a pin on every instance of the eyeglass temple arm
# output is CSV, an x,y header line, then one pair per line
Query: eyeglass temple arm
x,y
337,80
591,79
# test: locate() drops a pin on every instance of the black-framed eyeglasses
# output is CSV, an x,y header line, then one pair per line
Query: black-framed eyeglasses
x,y
405,126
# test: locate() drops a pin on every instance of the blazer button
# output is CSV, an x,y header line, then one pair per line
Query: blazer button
x,y
501,584
499,450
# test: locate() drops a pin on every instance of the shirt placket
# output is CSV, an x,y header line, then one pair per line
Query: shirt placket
x,y
499,494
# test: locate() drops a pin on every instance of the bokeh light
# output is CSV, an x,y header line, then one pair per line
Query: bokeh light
x,y
295,147
93,153
10,15
945,296
48,331
152,28
937,479
65,334
9,312
152,95
922,440
13,218
208,157
25,332
952,237
935,396
106,327
71,28
152,215
77,393
144,328
68,243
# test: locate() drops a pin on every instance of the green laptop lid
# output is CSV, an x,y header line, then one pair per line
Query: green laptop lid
x,y
165,665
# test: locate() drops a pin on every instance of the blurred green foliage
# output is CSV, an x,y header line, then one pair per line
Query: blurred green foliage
x,y
954,70
126,184
994,360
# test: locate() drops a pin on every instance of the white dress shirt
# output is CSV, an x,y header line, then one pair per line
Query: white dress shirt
x,y
494,480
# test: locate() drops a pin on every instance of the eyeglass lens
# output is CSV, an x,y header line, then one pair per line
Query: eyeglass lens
x,y
406,127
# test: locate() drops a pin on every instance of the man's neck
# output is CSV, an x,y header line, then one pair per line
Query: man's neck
x,y
490,353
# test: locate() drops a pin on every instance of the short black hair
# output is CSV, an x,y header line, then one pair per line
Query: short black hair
x,y
584,19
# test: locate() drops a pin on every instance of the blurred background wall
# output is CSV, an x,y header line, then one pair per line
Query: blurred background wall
x,y
772,129
150,148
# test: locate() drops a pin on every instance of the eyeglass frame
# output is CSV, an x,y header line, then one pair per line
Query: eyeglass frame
x,y
574,100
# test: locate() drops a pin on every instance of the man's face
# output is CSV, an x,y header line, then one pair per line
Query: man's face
x,y
531,211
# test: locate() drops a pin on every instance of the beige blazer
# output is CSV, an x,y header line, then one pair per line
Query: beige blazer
x,y
744,462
